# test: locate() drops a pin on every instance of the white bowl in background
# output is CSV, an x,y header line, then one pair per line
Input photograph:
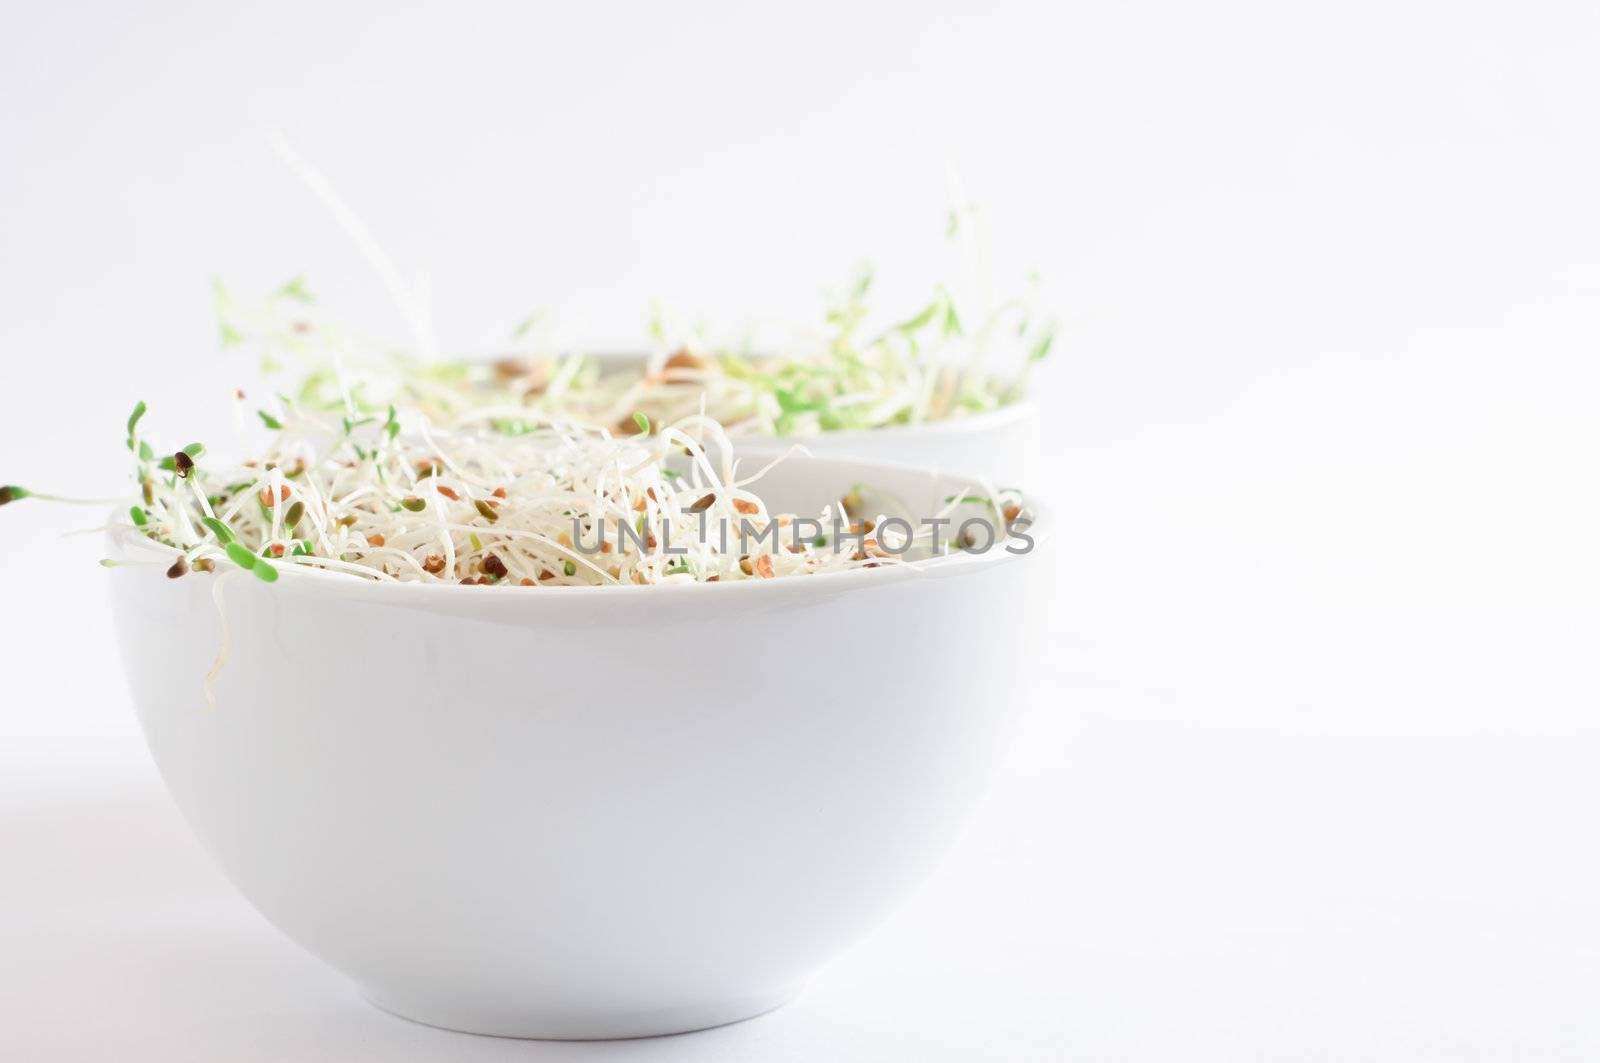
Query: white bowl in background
x,y
1000,446
581,812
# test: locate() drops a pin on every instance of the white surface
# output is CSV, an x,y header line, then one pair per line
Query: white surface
x,y
1315,776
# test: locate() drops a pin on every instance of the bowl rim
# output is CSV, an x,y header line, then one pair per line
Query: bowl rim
x,y
126,540
1011,413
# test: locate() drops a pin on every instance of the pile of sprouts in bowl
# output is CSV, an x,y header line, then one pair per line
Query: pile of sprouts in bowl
x,y
388,496
401,467
853,371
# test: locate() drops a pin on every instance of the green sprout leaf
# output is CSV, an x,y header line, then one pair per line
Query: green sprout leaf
x,y
296,290
223,533
138,517
270,421
658,326
643,422
1042,348
923,319
241,557
789,401
264,571
11,492
525,324
133,420
952,323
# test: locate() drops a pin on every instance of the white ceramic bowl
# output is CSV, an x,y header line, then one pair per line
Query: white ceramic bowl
x,y
580,812
1000,446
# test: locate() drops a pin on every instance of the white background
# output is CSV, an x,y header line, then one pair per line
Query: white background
x,y
1310,772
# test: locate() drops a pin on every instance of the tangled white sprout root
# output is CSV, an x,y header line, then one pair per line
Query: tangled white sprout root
x,y
395,499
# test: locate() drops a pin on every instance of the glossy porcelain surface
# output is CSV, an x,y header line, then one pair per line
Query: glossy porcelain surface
x,y
1000,446
580,812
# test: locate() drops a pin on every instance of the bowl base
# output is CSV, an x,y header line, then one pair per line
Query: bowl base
x,y
534,1023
